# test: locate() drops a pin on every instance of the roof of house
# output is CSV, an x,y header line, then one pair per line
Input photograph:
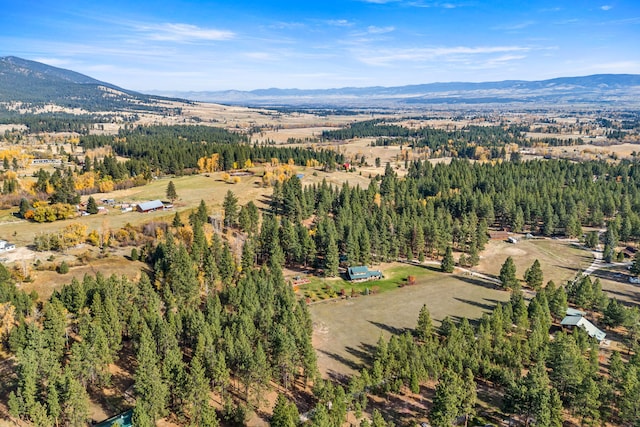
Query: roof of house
x,y
362,272
153,204
574,312
124,420
583,323
361,269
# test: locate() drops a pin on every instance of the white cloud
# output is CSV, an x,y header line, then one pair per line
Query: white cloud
x,y
372,29
339,23
515,27
260,56
180,32
606,7
447,54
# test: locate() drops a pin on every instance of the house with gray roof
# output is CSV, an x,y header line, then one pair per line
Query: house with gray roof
x,y
578,321
151,206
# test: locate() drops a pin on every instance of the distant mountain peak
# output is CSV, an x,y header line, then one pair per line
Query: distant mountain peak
x,y
35,83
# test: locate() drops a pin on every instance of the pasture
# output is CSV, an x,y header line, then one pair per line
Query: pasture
x,y
560,259
346,330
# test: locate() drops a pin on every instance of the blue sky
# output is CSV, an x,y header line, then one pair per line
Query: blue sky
x,y
216,45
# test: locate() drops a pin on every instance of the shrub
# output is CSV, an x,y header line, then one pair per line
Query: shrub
x,y
63,268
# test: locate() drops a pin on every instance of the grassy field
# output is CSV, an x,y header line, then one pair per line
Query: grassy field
x,y
395,276
615,282
560,259
345,330
191,189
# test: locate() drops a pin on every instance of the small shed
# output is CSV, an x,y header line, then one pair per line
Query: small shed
x,y
151,206
362,273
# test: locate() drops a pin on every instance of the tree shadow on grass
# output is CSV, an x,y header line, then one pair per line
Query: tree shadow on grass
x,y
352,364
487,307
388,328
473,280
364,353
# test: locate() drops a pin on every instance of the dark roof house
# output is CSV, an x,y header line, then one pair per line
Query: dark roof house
x,y
362,272
151,206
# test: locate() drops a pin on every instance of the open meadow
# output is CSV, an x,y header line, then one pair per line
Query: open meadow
x,y
560,259
346,330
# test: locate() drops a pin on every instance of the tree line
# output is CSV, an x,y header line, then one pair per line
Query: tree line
x,y
177,149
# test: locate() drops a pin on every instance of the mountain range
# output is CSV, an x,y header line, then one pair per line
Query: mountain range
x,y
604,89
32,82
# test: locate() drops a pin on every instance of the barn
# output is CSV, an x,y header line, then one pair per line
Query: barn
x,y
154,205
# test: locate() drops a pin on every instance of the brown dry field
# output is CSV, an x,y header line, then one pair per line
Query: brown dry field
x,y
589,151
345,331
615,282
560,259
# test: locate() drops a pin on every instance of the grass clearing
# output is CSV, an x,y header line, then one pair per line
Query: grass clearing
x,y
615,282
560,259
395,276
346,330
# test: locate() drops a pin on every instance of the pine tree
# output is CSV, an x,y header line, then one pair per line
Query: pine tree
x,y
230,206
92,206
533,276
508,274
424,329
177,221
285,413
24,207
171,191
635,267
447,265
332,257
202,214
447,399
151,390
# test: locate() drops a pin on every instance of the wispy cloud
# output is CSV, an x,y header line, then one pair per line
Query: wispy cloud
x,y
417,3
606,7
372,29
339,23
179,32
424,4
514,27
450,54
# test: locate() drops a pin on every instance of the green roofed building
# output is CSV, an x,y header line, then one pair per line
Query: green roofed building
x,y
362,273
581,322
121,420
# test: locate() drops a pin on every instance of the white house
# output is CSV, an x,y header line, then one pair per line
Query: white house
x,y
6,246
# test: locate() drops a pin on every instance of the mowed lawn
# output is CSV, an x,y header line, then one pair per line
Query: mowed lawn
x,y
346,330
